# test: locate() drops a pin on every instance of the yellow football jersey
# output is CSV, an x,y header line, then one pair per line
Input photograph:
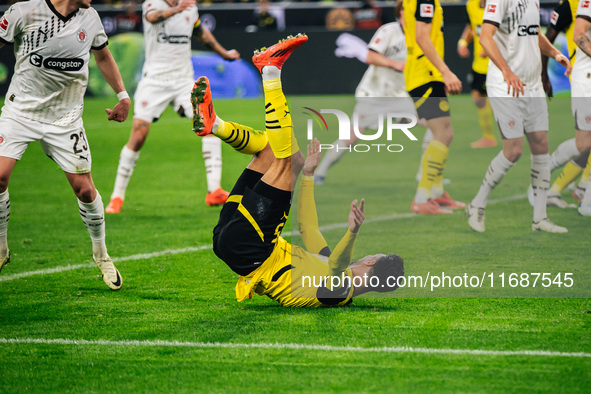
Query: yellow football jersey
x,y
293,277
475,14
418,70
563,20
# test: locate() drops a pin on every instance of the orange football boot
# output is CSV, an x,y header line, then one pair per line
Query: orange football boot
x,y
447,202
216,197
114,205
203,112
277,54
430,208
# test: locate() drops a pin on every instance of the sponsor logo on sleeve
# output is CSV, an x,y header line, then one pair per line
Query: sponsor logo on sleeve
x,y
426,10
491,9
554,18
4,23
585,4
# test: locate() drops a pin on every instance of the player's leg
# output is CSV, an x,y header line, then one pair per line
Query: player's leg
x,y
6,166
485,113
540,181
127,160
569,173
433,106
583,182
333,155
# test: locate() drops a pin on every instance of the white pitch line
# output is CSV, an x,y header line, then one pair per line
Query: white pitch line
x,y
294,346
143,256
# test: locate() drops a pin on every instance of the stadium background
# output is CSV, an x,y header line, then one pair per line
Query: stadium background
x,y
233,26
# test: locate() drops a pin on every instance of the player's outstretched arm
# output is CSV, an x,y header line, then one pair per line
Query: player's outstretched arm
x,y
156,16
453,84
206,37
547,49
307,215
377,59
514,84
111,74
582,26
342,255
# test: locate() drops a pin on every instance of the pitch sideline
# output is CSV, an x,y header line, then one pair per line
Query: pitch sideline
x,y
293,346
144,256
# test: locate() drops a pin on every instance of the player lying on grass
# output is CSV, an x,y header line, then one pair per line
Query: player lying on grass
x,y
247,236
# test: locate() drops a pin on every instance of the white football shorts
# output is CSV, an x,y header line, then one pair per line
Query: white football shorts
x,y
369,109
153,96
518,115
66,145
581,99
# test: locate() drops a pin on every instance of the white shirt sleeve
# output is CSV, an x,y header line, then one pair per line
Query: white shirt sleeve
x,y
584,9
380,40
494,11
10,25
100,39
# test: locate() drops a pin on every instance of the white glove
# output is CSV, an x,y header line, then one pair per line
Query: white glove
x,y
351,46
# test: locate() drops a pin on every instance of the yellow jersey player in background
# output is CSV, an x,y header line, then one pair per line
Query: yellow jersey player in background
x,y
428,80
475,11
247,237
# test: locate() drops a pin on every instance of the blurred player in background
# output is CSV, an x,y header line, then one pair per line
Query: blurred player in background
x,y
428,81
167,78
475,10
52,43
510,36
581,86
563,20
247,236
382,81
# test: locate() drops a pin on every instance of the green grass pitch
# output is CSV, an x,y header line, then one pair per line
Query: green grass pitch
x,y
187,296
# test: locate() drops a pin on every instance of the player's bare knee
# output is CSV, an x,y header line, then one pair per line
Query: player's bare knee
x,y
583,140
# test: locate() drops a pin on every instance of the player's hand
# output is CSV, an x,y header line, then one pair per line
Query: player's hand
x,y
356,215
120,112
232,55
185,4
547,84
463,51
453,85
313,158
514,83
560,58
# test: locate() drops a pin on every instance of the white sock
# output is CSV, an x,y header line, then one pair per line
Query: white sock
x,y
425,144
4,216
540,182
586,200
93,216
127,161
565,151
494,175
212,156
332,156
270,72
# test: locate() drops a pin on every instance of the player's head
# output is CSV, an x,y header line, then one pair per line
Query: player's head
x,y
384,268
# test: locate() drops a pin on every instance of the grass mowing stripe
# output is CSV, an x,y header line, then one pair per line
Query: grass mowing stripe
x,y
143,256
294,346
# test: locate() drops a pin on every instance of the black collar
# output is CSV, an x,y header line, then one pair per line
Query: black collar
x,y
63,18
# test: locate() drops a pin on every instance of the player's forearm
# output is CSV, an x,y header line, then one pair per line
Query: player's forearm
x,y
109,70
342,255
492,50
377,59
158,16
308,217
467,35
580,35
426,45
546,48
207,38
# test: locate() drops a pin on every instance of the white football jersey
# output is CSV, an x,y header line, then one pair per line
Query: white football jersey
x,y
518,23
582,66
384,81
52,53
168,43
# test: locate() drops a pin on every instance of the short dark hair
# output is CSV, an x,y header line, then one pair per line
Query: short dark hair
x,y
398,9
390,265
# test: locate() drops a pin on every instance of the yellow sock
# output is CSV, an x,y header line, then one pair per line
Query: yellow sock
x,y
433,164
587,171
570,172
242,138
485,118
278,120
